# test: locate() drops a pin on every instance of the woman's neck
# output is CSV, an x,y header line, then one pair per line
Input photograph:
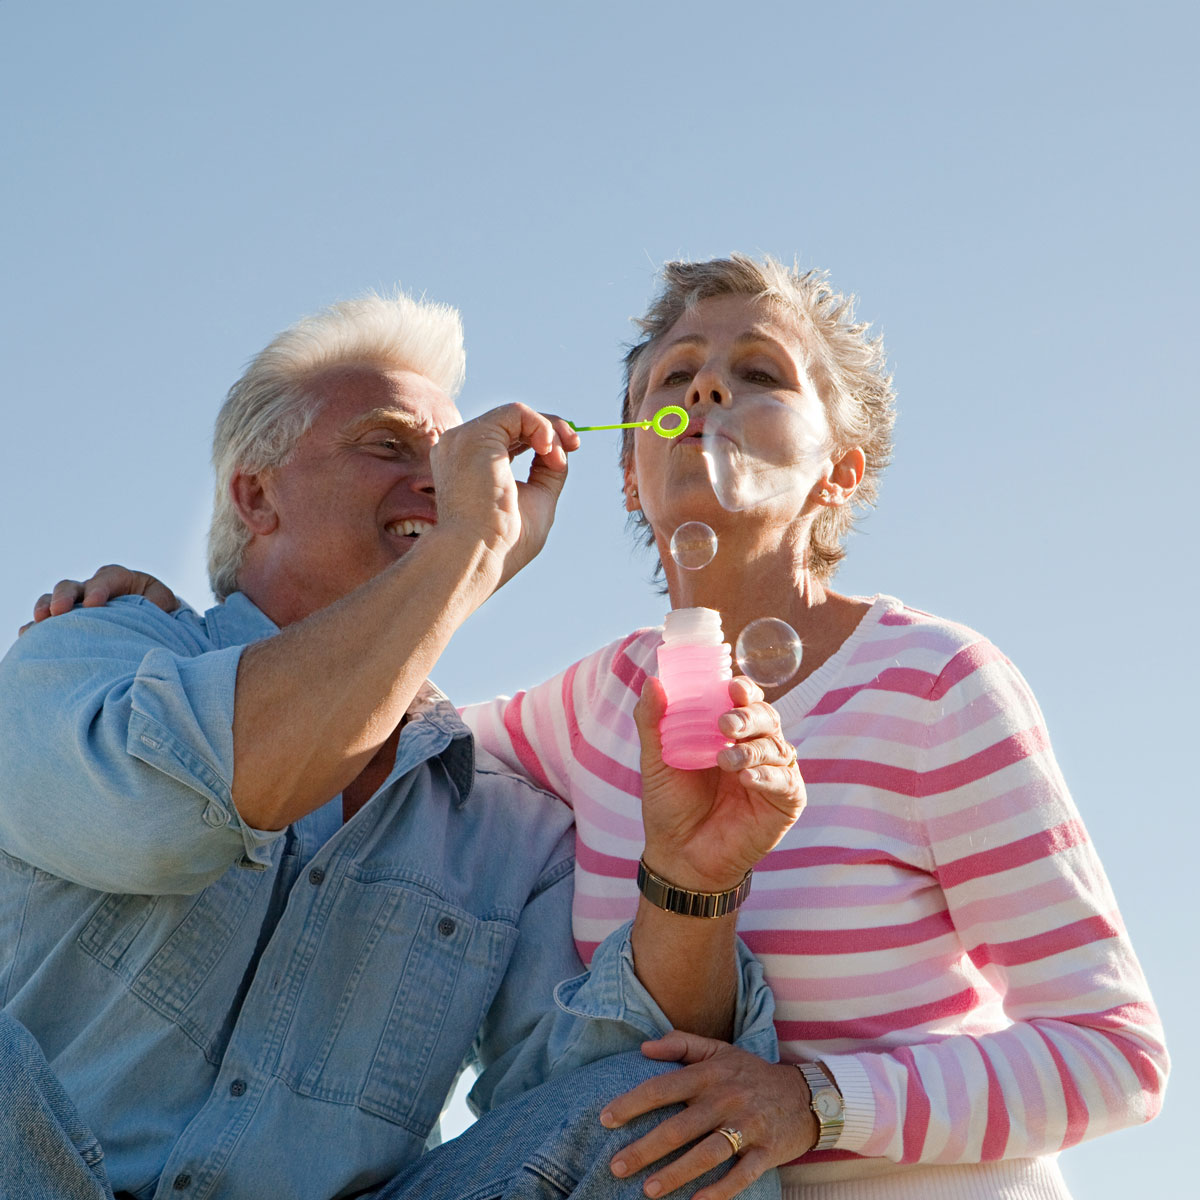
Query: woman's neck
x,y
773,583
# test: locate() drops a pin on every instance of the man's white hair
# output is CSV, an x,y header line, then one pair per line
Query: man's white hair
x,y
274,402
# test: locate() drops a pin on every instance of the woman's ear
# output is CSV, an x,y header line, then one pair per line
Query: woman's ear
x,y
632,503
252,497
842,479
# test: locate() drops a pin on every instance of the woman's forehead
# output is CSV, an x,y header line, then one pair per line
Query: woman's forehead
x,y
734,317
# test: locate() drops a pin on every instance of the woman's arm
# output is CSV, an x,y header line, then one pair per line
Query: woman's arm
x,y
1030,904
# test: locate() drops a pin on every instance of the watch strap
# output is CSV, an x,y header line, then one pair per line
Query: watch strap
x,y
820,1084
686,902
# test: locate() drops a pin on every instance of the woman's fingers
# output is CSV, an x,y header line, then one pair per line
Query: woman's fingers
x,y
667,1137
751,1166
66,594
709,1152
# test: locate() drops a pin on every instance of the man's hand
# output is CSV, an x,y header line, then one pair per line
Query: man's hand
x,y
477,489
705,829
112,580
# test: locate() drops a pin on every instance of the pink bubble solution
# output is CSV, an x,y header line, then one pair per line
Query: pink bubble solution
x,y
695,667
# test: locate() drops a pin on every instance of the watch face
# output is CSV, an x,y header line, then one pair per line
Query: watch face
x,y
828,1104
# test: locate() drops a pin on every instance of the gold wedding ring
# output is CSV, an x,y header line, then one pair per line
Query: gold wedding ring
x,y
733,1137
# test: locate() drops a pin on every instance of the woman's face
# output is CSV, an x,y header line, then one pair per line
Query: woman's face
x,y
758,439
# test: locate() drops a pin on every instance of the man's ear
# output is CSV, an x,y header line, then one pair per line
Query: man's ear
x,y
252,497
842,479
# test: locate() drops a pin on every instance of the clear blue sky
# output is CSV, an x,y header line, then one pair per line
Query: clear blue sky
x,y
1010,189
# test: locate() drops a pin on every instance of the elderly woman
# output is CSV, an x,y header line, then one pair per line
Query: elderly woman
x,y
957,1000
951,976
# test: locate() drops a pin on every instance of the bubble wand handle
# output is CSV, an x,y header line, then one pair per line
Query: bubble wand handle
x,y
593,428
655,423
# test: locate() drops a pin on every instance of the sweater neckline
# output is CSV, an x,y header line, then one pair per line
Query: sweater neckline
x,y
796,704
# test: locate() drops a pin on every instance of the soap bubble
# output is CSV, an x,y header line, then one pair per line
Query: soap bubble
x,y
693,545
761,448
769,651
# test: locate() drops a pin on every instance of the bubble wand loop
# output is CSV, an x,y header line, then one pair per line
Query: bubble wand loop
x,y
655,423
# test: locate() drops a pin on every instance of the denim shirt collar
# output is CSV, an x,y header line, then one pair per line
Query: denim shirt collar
x,y
433,728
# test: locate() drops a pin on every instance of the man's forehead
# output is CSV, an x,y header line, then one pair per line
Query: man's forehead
x,y
353,395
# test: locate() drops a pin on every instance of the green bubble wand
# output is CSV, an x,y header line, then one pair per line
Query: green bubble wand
x,y
655,423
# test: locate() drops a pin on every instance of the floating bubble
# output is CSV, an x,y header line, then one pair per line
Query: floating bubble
x,y
693,545
769,651
761,448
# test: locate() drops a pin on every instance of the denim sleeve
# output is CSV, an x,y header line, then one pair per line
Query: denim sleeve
x,y
606,1010
118,763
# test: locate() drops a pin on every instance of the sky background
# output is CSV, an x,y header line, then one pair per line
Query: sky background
x,y
1009,189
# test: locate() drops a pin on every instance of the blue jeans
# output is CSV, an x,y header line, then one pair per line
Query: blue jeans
x,y
544,1145
45,1149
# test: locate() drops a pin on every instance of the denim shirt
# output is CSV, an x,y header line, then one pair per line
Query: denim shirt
x,y
237,1012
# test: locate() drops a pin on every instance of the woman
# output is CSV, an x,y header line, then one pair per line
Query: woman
x,y
949,968
937,930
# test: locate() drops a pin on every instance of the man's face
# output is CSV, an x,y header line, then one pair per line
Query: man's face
x,y
357,491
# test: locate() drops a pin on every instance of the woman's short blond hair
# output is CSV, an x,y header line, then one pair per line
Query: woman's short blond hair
x,y
274,402
848,368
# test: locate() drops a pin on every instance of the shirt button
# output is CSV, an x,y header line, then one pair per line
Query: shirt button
x,y
182,1182
446,926
316,875
237,1087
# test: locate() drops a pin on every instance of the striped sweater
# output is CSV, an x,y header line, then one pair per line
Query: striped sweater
x,y
936,927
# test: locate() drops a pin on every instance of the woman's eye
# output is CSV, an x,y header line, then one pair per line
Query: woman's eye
x,y
759,376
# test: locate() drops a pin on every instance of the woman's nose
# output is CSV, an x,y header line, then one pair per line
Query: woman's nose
x,y
709,388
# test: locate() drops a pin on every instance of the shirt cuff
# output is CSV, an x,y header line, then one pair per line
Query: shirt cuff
x,y
611,991
182,725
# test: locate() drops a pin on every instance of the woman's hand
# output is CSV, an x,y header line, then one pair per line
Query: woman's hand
x,y
705,829
723,1087
107,582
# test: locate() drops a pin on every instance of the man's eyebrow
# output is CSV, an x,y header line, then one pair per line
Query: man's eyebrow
x,y
388,416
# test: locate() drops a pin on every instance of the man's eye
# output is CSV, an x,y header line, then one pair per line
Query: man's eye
x,y
676,377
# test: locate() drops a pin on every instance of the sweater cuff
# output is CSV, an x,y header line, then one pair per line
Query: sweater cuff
x,y
858,1100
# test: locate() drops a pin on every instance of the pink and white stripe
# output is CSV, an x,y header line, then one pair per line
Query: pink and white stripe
x,y
936,927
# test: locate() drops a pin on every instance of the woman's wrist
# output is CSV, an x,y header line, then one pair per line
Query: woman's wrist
x,y
677,866
688,900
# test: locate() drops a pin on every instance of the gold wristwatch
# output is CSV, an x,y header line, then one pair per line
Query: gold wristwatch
x,y
826,1104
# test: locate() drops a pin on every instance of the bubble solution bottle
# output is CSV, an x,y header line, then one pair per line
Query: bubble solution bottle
x,y
695,668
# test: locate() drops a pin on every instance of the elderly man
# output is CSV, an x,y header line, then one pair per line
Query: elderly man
x,y
257,897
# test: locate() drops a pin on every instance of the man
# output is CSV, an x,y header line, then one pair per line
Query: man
x,y
260,901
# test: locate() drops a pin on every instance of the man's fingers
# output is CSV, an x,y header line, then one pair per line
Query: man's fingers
x,y
41,609
527,427
566,435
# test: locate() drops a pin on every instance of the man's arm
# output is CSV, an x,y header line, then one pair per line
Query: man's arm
x,y
314,704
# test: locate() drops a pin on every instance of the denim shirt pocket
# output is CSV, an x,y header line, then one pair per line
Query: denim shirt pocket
x,y
172,951
402,1016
